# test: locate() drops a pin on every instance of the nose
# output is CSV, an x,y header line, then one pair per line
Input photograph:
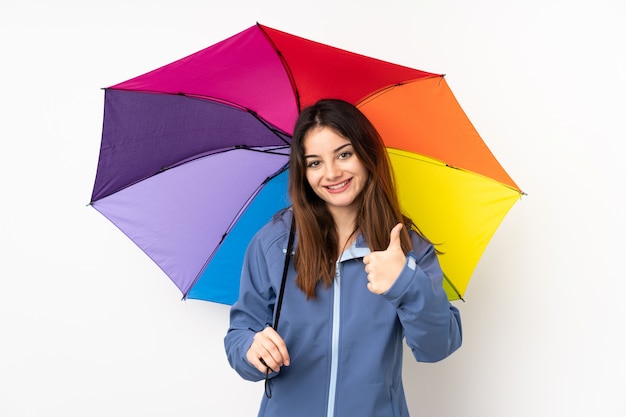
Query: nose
x,y
333,170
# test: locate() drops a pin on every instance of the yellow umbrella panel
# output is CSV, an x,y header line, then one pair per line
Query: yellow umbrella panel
x,y
459,211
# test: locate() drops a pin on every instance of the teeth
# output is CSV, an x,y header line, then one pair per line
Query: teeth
x,y
334,187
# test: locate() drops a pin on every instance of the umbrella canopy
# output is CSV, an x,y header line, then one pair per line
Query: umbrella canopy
x,y
194,154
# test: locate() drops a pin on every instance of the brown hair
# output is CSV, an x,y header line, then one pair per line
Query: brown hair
x,y
379,211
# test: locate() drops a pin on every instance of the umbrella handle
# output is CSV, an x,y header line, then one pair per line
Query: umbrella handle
x,y
279,303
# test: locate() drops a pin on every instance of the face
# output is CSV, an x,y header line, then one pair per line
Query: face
x,y
333,169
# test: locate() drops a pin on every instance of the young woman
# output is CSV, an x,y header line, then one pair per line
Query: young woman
x,y
362,279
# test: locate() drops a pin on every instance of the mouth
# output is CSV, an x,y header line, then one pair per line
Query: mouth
x,y
339,186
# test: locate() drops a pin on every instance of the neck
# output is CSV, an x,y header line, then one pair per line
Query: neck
x,y
345,224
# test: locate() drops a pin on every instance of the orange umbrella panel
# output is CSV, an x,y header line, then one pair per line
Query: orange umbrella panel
x,y
424,117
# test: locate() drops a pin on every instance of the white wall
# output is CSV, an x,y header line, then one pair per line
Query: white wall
x,y
89,327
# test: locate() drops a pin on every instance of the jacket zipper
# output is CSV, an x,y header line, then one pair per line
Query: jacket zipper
x,y
334,357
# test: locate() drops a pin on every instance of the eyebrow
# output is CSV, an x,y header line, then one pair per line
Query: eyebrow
x,y
334,151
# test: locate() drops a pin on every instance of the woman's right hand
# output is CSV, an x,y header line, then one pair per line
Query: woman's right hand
x,y
268,350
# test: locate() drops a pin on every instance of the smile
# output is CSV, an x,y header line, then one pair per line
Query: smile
x,y
338,186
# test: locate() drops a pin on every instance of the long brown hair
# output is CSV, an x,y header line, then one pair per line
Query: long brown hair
x,y
379,211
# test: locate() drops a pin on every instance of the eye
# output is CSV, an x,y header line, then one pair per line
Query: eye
x,y
313,164
345,155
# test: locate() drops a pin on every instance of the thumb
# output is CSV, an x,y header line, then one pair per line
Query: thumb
x,y
394,237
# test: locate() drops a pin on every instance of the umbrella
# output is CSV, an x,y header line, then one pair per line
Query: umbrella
x,y
193,158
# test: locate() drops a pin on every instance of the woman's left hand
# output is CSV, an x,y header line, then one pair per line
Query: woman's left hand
x,y
384,267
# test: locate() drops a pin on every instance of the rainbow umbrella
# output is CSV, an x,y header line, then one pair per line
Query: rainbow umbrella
x,y
193,159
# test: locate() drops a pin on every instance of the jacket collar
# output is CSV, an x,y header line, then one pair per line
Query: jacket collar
x,y
357,250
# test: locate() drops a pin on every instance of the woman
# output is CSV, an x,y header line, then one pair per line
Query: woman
x,y
362,279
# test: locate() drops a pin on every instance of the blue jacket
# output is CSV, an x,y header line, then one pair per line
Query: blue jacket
x,y
345,347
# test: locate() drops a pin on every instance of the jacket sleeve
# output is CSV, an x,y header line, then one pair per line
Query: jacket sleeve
x,y
432,326
251,313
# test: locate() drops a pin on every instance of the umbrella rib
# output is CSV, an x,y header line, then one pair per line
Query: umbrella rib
x,y
251,112
434,161
269,127
248,201
292,79
218,101
270,150
388,88
456,291
202,97
229,228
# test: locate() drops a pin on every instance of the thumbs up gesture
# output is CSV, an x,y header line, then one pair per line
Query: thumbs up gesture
x,y
384,267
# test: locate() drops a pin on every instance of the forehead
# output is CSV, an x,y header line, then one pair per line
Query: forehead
x,y
323,139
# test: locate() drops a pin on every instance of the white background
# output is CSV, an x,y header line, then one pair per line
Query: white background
x,y
90,327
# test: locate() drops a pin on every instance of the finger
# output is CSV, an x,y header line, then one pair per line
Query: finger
x,y
275,346
262,359
263,353
272,358
265,364
257,361
394,237
280,345
372,288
